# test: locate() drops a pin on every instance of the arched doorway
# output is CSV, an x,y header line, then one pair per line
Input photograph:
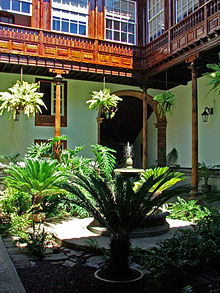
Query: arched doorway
x,y
131,117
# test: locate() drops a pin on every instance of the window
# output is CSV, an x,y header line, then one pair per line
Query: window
x,y
120,21
47,117
17,6
184,8
70,16
6,17
155,18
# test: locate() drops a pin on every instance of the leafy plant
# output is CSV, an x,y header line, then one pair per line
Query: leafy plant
x,y
105,159
156,173
214,77
120,209
22,96
104,102
205,171
37,177
19,224
172,157
4,159
38,150
187,210
166,101
36,242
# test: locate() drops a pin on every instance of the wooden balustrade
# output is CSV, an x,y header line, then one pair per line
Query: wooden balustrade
x,y
197,26
33,42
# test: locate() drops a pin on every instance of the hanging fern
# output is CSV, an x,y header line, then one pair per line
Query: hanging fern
x,y
214,77
22,96
166,101
105,159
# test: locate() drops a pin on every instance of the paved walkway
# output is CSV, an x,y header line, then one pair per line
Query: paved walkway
x,y
9,279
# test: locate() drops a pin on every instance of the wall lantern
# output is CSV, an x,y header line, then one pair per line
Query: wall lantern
x,y
205,114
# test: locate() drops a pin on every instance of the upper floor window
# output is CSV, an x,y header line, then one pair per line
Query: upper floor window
x,y
17,6
184,8
155,19
120,21
70,16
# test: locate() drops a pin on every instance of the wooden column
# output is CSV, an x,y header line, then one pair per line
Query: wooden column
x,y
161,143
92,19
45,21
100,20
141,23
35,18
192,67
194,129
144,131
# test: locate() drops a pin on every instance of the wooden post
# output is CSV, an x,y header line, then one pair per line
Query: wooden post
x,y
194,131
144,131
192,66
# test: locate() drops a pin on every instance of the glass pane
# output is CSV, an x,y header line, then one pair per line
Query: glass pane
x,y
82,29
124,37
25,7
73,28
124,27
131,28
65,25
108,35
56,23
131,39
108,23
116,36
116,25
5,4
15,5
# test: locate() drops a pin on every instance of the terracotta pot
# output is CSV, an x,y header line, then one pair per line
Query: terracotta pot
x,y
104,285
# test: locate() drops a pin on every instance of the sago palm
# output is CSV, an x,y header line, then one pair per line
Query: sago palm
x,y
120,209
38,178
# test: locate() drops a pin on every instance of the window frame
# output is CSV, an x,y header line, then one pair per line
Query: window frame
x,y
187,12
15,11
122,20
70,15
161,12
49,120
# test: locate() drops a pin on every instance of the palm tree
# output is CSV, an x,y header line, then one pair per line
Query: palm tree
x,y
39,178
120,209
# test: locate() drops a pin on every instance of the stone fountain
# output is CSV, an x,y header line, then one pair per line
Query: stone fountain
x,y
153,225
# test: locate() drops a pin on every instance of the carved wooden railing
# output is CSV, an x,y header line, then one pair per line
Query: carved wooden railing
x,y
197,26
35,42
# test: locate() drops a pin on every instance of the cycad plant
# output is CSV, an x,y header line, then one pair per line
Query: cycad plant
x,y
22,96
38,178
120,209
104,102
214,77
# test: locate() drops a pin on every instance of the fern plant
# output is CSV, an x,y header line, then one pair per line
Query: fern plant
x,y
166,101
105,159
214,77
22,96
104,102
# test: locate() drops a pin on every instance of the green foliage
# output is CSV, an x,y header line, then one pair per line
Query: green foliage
x,y
214,77
14,201
166,101
22,96
105,159
178,257
36,242
37,177
104,102
4,159
156,173
187,210
120,208
205,171
19,224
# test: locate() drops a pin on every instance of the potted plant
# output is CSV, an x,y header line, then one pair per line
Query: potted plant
x,y
22,96
205,172
104,102
121,210
166,101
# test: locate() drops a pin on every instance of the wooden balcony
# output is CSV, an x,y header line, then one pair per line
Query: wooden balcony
x,y
189,34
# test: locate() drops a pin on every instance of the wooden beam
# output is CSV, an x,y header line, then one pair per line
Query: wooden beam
x,y
144,131
194,125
